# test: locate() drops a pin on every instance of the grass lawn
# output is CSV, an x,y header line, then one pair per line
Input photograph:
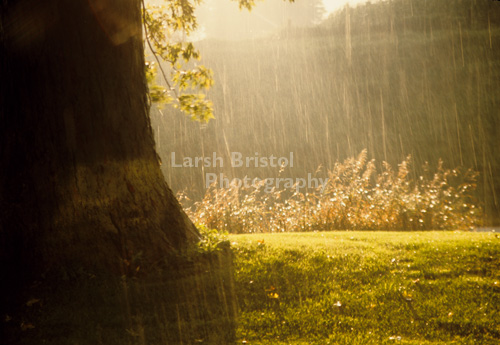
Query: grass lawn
x,y
368,288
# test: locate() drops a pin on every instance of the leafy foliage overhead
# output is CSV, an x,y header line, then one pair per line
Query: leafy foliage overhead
x,y
167,27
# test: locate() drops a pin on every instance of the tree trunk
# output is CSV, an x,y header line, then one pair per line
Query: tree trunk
x,y
80,182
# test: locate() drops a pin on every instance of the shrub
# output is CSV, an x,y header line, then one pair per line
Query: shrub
x,y
356,197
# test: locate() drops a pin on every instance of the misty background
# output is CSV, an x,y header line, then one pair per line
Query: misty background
x,y
325,81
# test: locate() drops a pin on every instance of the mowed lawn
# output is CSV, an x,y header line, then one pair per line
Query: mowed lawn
x,y
368,288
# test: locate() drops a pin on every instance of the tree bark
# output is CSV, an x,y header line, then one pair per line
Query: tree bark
x,y
80,182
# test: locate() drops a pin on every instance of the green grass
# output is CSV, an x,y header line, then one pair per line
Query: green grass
x,y
291,288
368,288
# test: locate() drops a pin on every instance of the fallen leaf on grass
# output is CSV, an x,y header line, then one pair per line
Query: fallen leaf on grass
x,y
26,325
32,301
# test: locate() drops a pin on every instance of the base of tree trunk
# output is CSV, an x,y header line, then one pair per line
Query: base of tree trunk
x,y
189,301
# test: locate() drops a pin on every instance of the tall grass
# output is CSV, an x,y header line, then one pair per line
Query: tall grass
x,y
356,197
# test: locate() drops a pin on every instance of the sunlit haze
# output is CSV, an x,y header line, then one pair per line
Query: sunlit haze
x,y
332,5
222,19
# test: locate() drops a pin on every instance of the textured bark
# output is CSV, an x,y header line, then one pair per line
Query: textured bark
x,y
80,182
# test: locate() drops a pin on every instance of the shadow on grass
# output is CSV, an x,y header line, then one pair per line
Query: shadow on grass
x,y
189,301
